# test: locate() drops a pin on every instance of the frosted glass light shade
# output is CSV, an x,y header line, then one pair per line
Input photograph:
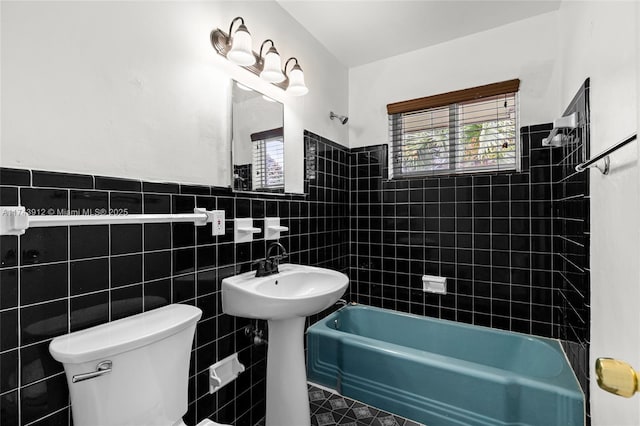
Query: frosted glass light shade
x,y
271,71
241,52
296,82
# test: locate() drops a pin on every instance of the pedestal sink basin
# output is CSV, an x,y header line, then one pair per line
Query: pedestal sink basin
x,y
284,300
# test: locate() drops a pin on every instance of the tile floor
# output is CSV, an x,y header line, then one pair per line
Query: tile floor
x,y
329,408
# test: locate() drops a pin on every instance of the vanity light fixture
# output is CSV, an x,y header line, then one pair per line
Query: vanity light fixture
x,y
271,63
236,46
296,79
240,43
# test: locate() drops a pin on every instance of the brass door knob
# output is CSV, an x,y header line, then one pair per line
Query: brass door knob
x,y
617,377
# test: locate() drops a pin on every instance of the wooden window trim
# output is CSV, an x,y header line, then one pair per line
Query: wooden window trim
x,y
267,134
509,86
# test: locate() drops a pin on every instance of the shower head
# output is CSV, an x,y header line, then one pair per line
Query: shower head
x,y
342,118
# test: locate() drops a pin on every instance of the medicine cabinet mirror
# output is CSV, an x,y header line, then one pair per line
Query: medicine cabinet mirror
x,y
257,144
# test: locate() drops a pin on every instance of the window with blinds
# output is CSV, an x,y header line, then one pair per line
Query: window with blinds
x,y
471,130
268,159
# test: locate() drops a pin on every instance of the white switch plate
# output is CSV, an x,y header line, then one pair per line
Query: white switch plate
x,y
217,225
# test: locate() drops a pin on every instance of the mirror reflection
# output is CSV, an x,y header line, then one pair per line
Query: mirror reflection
x,y
257,141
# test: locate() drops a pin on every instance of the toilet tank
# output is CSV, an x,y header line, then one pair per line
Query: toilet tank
x,y
149,355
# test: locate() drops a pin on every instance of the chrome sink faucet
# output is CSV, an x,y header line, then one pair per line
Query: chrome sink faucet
x,y
269,265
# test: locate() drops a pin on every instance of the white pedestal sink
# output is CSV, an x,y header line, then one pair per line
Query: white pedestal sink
x,y
284,300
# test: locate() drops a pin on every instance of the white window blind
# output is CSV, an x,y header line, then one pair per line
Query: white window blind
x,y
268,160
467,136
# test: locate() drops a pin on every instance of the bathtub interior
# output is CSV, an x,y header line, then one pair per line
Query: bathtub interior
x,y
515,352
441,372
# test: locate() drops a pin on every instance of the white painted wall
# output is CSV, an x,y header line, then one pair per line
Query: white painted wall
x,y
599,40
134,89
525,49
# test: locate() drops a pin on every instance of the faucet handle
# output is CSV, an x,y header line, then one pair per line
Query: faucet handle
x,y
262,267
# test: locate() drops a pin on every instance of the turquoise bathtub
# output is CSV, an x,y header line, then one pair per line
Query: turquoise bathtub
x,y
444,373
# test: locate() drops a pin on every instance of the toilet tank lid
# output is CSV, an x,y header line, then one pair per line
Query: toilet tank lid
x,y
123,335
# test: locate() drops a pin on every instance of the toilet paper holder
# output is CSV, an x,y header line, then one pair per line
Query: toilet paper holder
x,y
223,372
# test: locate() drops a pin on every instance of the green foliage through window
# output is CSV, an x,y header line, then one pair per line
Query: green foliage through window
x,y
479,135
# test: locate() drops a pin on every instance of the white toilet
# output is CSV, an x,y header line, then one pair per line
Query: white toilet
x,y
133,371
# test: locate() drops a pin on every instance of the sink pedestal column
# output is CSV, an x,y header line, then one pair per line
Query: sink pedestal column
x,y
287,396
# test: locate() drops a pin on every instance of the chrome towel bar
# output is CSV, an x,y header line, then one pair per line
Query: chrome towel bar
x,y
604,155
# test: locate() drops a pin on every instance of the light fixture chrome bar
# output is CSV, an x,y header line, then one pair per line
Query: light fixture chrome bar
x,y
604,154
220,42
15,220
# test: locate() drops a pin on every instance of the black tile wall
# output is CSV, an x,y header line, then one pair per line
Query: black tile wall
x,y
72,278
571,282
490,235
506,242
513,245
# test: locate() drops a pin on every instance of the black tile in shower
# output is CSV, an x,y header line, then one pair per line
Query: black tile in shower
x,y
88,241
8,251
44,321
43,283
15,177
44,245
87,276
126,270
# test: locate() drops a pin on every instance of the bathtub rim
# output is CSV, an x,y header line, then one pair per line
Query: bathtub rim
x,y
553,343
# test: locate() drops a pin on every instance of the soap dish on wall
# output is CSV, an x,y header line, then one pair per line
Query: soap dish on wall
x,y
224,372
434,284
243,230
272,228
